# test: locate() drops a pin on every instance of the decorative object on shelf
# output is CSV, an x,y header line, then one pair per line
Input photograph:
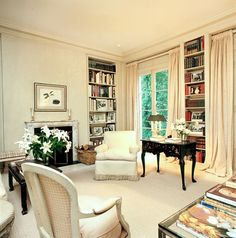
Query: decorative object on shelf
x,y
180,126
44,145
50,97
156,125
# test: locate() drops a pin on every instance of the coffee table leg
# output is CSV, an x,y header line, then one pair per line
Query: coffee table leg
x,y
23,198
10,181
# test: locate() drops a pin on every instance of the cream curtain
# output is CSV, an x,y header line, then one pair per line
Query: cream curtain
x,y
175,90
220,152
132,100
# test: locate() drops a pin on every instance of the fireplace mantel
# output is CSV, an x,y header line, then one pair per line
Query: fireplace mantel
x,y
73,123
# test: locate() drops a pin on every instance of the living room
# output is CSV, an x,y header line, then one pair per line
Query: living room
x,y
44,44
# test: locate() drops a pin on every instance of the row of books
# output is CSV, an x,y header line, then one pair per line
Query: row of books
x,y
101,77
194,102
102,104
194,46
99,65
214,215
194,61
195,89
101,91
200,156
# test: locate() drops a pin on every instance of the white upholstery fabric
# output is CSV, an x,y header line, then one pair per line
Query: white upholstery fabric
x,y
60,213
6,218
117,157
3,193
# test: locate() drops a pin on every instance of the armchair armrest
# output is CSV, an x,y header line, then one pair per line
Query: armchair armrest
x,y
133,149
101,148
101,208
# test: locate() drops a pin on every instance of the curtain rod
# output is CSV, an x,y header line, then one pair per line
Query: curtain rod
x,y
218,32
153,56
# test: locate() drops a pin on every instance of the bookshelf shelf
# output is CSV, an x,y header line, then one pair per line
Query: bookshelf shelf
x,y
101,98
194,78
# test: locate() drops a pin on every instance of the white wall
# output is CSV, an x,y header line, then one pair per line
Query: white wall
x,y
27,59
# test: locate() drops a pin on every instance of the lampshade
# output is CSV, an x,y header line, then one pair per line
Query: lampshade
x,y
157,117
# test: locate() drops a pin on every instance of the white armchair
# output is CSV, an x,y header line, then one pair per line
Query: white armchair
x,y
117,157
61,213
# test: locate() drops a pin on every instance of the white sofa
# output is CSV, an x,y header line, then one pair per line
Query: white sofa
x,y
117,157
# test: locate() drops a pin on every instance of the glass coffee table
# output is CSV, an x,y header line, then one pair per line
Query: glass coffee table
x,y
15,171
168,228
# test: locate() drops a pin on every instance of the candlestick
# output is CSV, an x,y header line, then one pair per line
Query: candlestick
x,y
69,114
32,114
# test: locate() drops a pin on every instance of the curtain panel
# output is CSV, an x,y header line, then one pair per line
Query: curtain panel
x,y
132,99
219,157
175,90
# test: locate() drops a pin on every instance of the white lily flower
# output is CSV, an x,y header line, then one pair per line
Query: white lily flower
x,y
68,146
46,130
46,147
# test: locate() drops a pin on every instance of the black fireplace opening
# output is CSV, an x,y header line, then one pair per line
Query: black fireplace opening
x,y
61,158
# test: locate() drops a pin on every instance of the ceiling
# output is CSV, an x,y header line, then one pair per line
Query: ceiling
x,y
114,26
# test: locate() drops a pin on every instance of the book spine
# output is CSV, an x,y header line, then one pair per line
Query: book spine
x,y
221,199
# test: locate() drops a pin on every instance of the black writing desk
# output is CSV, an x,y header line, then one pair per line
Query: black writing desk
x,y
175,149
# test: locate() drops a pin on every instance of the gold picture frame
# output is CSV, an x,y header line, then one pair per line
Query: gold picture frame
x,y
50,97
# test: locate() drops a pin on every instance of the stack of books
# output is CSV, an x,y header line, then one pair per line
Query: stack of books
x,y
215,215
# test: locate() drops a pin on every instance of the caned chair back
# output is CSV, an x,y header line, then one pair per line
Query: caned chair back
x,y
55,201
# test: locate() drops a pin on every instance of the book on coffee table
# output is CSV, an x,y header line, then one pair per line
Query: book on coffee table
x,y
223,194
203,222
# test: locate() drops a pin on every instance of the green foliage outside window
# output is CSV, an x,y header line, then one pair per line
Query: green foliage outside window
x,y
161,101
162,97
146,100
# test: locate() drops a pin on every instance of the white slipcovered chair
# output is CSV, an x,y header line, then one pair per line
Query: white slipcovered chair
x,y
60,214
117,157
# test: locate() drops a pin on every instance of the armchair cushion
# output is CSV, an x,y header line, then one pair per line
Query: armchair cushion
x,y
116,154
134,149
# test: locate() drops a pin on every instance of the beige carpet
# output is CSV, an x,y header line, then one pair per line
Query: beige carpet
x,y
145,202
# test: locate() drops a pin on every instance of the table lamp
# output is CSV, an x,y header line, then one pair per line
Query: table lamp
x,y
156,125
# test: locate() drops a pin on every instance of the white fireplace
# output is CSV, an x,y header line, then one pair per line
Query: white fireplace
x,y
57,124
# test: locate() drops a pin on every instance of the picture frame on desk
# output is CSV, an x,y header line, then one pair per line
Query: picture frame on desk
x,y
111,127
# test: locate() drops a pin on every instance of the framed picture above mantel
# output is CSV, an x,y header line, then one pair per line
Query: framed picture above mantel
x,y
50,97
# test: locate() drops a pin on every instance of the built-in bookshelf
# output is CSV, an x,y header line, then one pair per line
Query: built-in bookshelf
x,y
194,77
101,98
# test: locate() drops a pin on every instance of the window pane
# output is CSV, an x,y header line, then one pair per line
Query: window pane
x,y
162,80
162,97
146,100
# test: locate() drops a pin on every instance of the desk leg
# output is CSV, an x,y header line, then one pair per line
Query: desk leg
x,y
10,181
158,162
182,164
193,167
143,163
23,198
